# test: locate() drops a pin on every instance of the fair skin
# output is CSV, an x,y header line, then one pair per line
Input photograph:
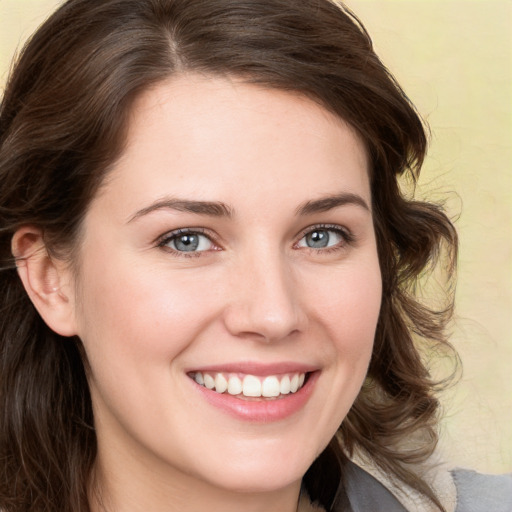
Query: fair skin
x,y
273,276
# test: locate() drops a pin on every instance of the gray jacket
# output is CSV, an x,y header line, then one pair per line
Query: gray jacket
x,y
475,492
472,492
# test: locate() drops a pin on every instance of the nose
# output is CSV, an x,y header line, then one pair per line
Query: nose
x,y
265,300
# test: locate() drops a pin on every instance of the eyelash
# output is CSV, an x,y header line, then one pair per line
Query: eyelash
x,y
166,239
347,239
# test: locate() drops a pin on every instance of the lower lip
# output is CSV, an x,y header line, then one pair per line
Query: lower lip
x,y
263,411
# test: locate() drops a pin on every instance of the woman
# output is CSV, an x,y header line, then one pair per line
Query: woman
x,y
208,268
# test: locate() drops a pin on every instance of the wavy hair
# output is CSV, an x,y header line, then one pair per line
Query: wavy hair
x,y
63,121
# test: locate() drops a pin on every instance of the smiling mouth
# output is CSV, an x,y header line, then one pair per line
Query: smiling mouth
x,y
247,387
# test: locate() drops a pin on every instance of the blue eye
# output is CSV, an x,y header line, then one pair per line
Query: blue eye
x,y
187,241
322,238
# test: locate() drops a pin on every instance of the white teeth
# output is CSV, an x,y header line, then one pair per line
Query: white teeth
x,y
251,386
234,385
221,384
285,385
294,383
208,381
270,387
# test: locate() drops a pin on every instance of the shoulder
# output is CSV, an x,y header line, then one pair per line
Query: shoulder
x,y
477,492
459,490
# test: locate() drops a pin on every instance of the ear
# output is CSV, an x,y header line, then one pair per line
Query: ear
x,y
47,281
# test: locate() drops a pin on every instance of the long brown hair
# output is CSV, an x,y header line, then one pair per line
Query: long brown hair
x,y
63,123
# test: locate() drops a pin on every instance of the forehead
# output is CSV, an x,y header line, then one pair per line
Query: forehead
x,y
206,136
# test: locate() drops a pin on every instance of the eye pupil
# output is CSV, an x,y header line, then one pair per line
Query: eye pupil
x,y
317,239
187,243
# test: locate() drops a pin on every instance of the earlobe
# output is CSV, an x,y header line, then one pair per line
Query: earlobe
x,y
47,280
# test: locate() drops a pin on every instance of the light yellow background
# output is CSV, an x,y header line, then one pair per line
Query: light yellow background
x,y
454,59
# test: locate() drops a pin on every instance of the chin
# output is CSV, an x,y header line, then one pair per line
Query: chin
x,y
261,470
258,481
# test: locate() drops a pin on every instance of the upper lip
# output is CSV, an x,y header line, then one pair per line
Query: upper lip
x,y
256,368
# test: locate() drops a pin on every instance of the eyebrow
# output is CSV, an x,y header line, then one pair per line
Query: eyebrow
x,y
210,208
220,209
327,203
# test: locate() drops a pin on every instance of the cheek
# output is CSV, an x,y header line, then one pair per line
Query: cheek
x,y
131,316
347,311
350,306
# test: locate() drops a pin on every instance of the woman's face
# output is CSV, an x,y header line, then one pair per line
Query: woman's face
x,y
231,246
